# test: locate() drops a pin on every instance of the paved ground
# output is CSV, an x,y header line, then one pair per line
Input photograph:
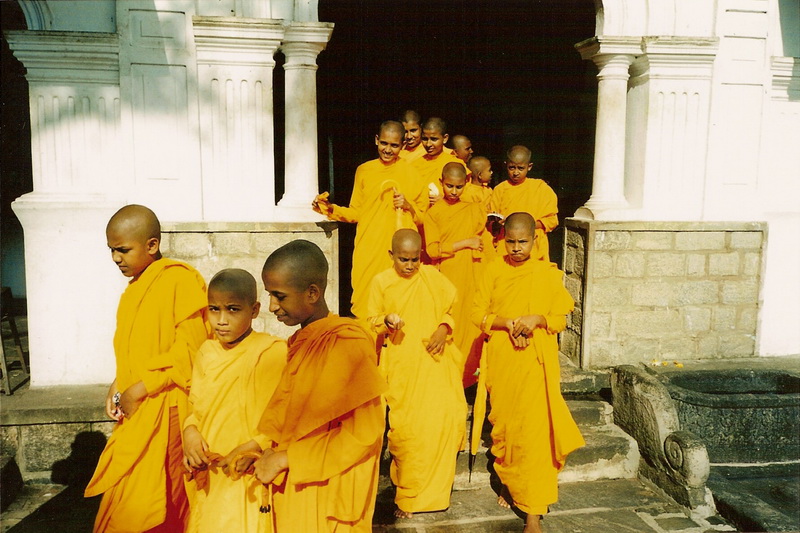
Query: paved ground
x,y
619,506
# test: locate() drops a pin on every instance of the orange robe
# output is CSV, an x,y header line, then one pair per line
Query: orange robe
x,y
532,196
430,168
533,430
327,415
426,401
160,325
444,225
372,209
230,390
411,155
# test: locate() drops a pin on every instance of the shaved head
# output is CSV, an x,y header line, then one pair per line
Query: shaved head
x,y
454,170
409,115
435,124
237,282
406,238
460,141
519,154
521,221
302,262
137,222
478,164
392,126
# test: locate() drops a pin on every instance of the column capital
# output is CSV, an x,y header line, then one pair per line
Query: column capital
x,y
601,45
67,56
308,32
237,40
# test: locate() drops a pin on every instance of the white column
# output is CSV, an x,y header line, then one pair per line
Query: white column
x,y
237,136
613,59
73,83
303,42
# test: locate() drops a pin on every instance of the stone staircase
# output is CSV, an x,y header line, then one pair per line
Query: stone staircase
x,y
609,452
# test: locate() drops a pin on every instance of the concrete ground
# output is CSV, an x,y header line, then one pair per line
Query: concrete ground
x,y
619,506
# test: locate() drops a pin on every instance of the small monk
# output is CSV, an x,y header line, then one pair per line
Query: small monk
x,y
462,148
234,377
388,194
412,305
453,239
412,140
322,430
522,305
480,181
519,193
161,322
434,137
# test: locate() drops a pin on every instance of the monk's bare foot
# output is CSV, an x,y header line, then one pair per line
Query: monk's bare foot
x,y
399,513
504,500
533,524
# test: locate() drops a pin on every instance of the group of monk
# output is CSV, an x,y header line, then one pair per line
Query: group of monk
x,y
222,428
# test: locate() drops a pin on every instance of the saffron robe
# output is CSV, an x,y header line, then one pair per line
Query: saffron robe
x,y
327,415
411,155
160,325
445,224
230,390
532,196
426,401
372,209
533,430
430,168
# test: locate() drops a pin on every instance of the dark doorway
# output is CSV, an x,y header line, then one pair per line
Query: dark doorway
x,y
500,72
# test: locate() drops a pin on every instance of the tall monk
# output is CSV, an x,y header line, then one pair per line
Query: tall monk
x,y
453,238
412,142
434,137
412,305
233,379
323,428
519,193
160,325
462,148
388,194
521,304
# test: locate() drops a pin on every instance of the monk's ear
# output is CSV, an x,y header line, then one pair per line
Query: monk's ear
x,y
313,293
376,140
530,166
152,246
256,309
446,137
391,255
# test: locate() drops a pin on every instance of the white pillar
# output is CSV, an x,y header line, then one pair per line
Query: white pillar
x,y
613,58
237,136
303,42
73,81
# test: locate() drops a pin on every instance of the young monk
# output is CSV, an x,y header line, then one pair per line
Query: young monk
x,y
412,305
233,379
323,428
412,145
453,238
462,148
527,195
521,303
434,137
480,182
160,325
388,194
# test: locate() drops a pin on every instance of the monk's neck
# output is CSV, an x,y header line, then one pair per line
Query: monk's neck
x,y
319,313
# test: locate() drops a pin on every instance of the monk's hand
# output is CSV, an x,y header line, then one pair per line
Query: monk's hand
x,y
437,341
393,322
519,340
525,324
433,198
132,398
270,464
475,243
112,402
242,464
321,204
195,448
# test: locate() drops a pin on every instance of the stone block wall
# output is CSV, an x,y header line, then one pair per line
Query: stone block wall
x,y
662,290
213,246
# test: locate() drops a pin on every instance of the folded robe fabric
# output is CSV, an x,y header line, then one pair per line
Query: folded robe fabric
x,y
160,326
327,415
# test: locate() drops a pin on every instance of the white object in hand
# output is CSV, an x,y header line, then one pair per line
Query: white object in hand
x,y
433,190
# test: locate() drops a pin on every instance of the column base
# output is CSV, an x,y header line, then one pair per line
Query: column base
x,y
606,211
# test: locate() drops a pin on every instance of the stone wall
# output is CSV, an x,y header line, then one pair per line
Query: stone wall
x,y
213,246
662,290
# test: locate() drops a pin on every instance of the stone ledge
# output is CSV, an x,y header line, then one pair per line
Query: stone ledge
x,y
656,226
55,405
248,227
